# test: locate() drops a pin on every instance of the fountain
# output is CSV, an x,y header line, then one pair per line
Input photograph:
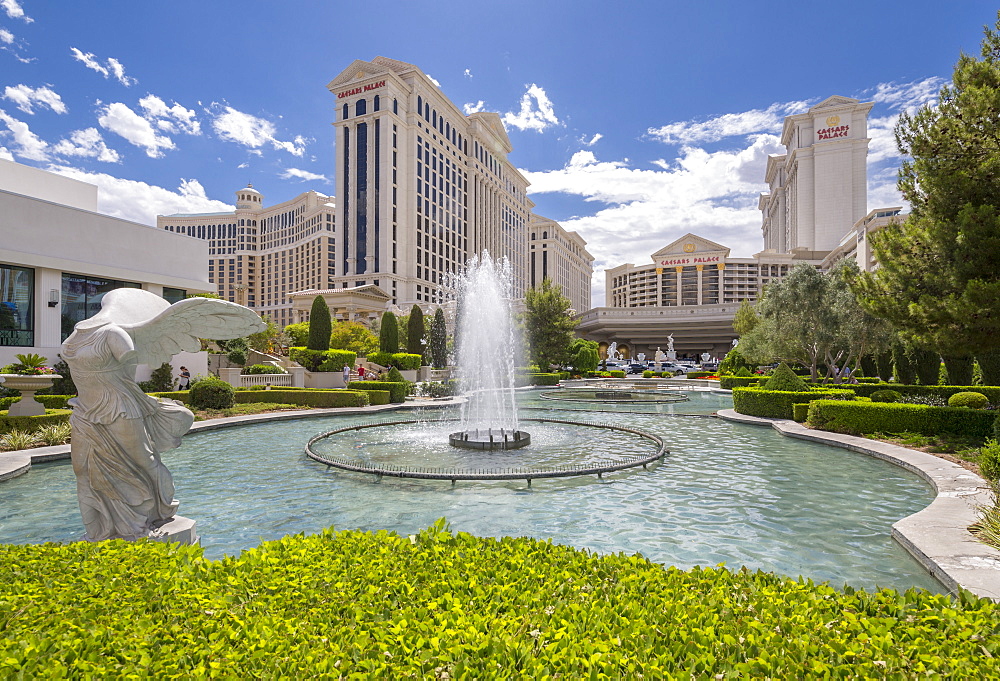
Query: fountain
x,y
487,343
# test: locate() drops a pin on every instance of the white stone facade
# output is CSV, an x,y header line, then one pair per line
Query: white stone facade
x,y
562,257
257,256
857,243
818,188
57,259
421,186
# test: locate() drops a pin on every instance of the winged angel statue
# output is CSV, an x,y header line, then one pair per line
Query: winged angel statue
x,y
119,432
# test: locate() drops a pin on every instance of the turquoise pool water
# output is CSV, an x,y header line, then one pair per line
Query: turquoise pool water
x,y
727,493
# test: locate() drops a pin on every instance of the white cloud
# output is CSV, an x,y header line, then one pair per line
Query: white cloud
x,y
468,73
87,143
26,98
592,141
169,119
253,132
27,144
111,66
6,37
908,96
714,129
433,80
14,10
289,173
537,112
243,165
470,108
121,120
5,154
142,202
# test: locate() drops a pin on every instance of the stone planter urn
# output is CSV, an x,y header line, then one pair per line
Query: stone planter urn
x,y
28,385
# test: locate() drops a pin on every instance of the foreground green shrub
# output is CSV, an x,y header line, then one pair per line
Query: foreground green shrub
x,y
989,461
858,418
450,605
543,379
944,391
730,382
777,404
784,379
212,393
33,423
647,374
261,369
322,360
697,374
398,390
800,411
972,400
403,361
306,398
616,374
50,401
886,396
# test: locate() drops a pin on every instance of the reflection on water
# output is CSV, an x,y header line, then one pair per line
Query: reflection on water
x,y
727,493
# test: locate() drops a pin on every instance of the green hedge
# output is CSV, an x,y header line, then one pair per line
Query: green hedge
x,y
262,369
730,382
543,379
449,605
800,411
699,374
397,389
179,395
992,392
322,360
306,398
403,361
32,423
777,404
50,401
617,374
859,418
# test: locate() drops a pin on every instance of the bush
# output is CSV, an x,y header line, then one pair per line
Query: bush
x,y
403,361
320,326
259,369
973,400
388,338
398,390
886,396
317,606
777,404
944,391
785,380
306,398
989,460
543,379
647,374
33,423
858,418
616,374
336,360
698,374
800,411
742,372
49,401
212,393
438,388
179,395
730,382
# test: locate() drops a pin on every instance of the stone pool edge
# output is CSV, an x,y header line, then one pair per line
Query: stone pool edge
x,y
938,535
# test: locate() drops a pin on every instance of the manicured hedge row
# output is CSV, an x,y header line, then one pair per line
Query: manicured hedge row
x,y
307,398
543,379
700,374
992,392
443,605
777,404
31,423
859,418
322,360
403,361
397,389
50,401
730,382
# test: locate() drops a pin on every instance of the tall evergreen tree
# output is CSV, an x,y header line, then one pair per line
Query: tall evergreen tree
x,y
937,279
319,325
548,324
415,331
439,340
388,337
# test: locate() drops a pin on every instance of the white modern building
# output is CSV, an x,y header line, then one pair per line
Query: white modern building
x,y
257,256
561,257
421,186
857,242
59,256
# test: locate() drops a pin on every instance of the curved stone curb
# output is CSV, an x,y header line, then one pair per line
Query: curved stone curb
x,y
937,536
13,464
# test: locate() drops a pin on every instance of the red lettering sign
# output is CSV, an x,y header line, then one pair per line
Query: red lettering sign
x,y
831,133
359,90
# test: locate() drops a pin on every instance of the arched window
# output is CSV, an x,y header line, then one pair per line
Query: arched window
x,y
427,112
375,103
434,118
343,116
361,107
420,104
545,235
532,236
395,106
447,130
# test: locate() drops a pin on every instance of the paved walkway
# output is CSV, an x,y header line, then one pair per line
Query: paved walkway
x,y
937,536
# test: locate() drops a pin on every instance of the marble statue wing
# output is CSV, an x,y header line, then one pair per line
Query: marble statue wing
x,y
179,328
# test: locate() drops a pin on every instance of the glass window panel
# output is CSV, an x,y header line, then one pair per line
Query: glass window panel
x,y
17,315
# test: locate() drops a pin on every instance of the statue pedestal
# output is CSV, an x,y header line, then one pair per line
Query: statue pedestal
x,y
178,529
671,355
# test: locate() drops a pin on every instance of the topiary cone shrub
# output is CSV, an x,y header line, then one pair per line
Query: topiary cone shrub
x,y
785,379
212,393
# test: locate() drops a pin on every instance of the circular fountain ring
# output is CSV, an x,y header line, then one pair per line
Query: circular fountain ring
x,y
528,474
645,395
490,440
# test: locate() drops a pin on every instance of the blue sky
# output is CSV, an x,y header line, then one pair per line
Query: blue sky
x,y
636,122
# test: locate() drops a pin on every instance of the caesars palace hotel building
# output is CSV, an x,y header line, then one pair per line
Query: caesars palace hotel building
x,y
815,211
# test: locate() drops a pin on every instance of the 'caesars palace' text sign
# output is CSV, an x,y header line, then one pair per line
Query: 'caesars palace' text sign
x,y
691,260
830,133
359,90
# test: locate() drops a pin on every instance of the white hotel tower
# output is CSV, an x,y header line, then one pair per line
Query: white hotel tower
x,y
421,187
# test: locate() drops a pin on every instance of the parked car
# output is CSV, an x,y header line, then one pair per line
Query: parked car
x,y
636,368
673,368
709,366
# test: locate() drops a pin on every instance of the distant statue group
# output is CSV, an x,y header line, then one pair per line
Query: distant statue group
x,y
119,432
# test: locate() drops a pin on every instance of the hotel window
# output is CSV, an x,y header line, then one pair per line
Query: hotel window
x,y
375,103
81,298
361,107
17,315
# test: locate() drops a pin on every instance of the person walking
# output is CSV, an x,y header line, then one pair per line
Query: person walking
x,y
347,374
361,372
184,382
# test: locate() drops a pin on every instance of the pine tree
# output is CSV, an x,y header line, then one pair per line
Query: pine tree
x,y
319,325
937,279
415,331
439,340
388,337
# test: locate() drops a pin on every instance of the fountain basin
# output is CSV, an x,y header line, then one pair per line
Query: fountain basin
x,y
490,439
